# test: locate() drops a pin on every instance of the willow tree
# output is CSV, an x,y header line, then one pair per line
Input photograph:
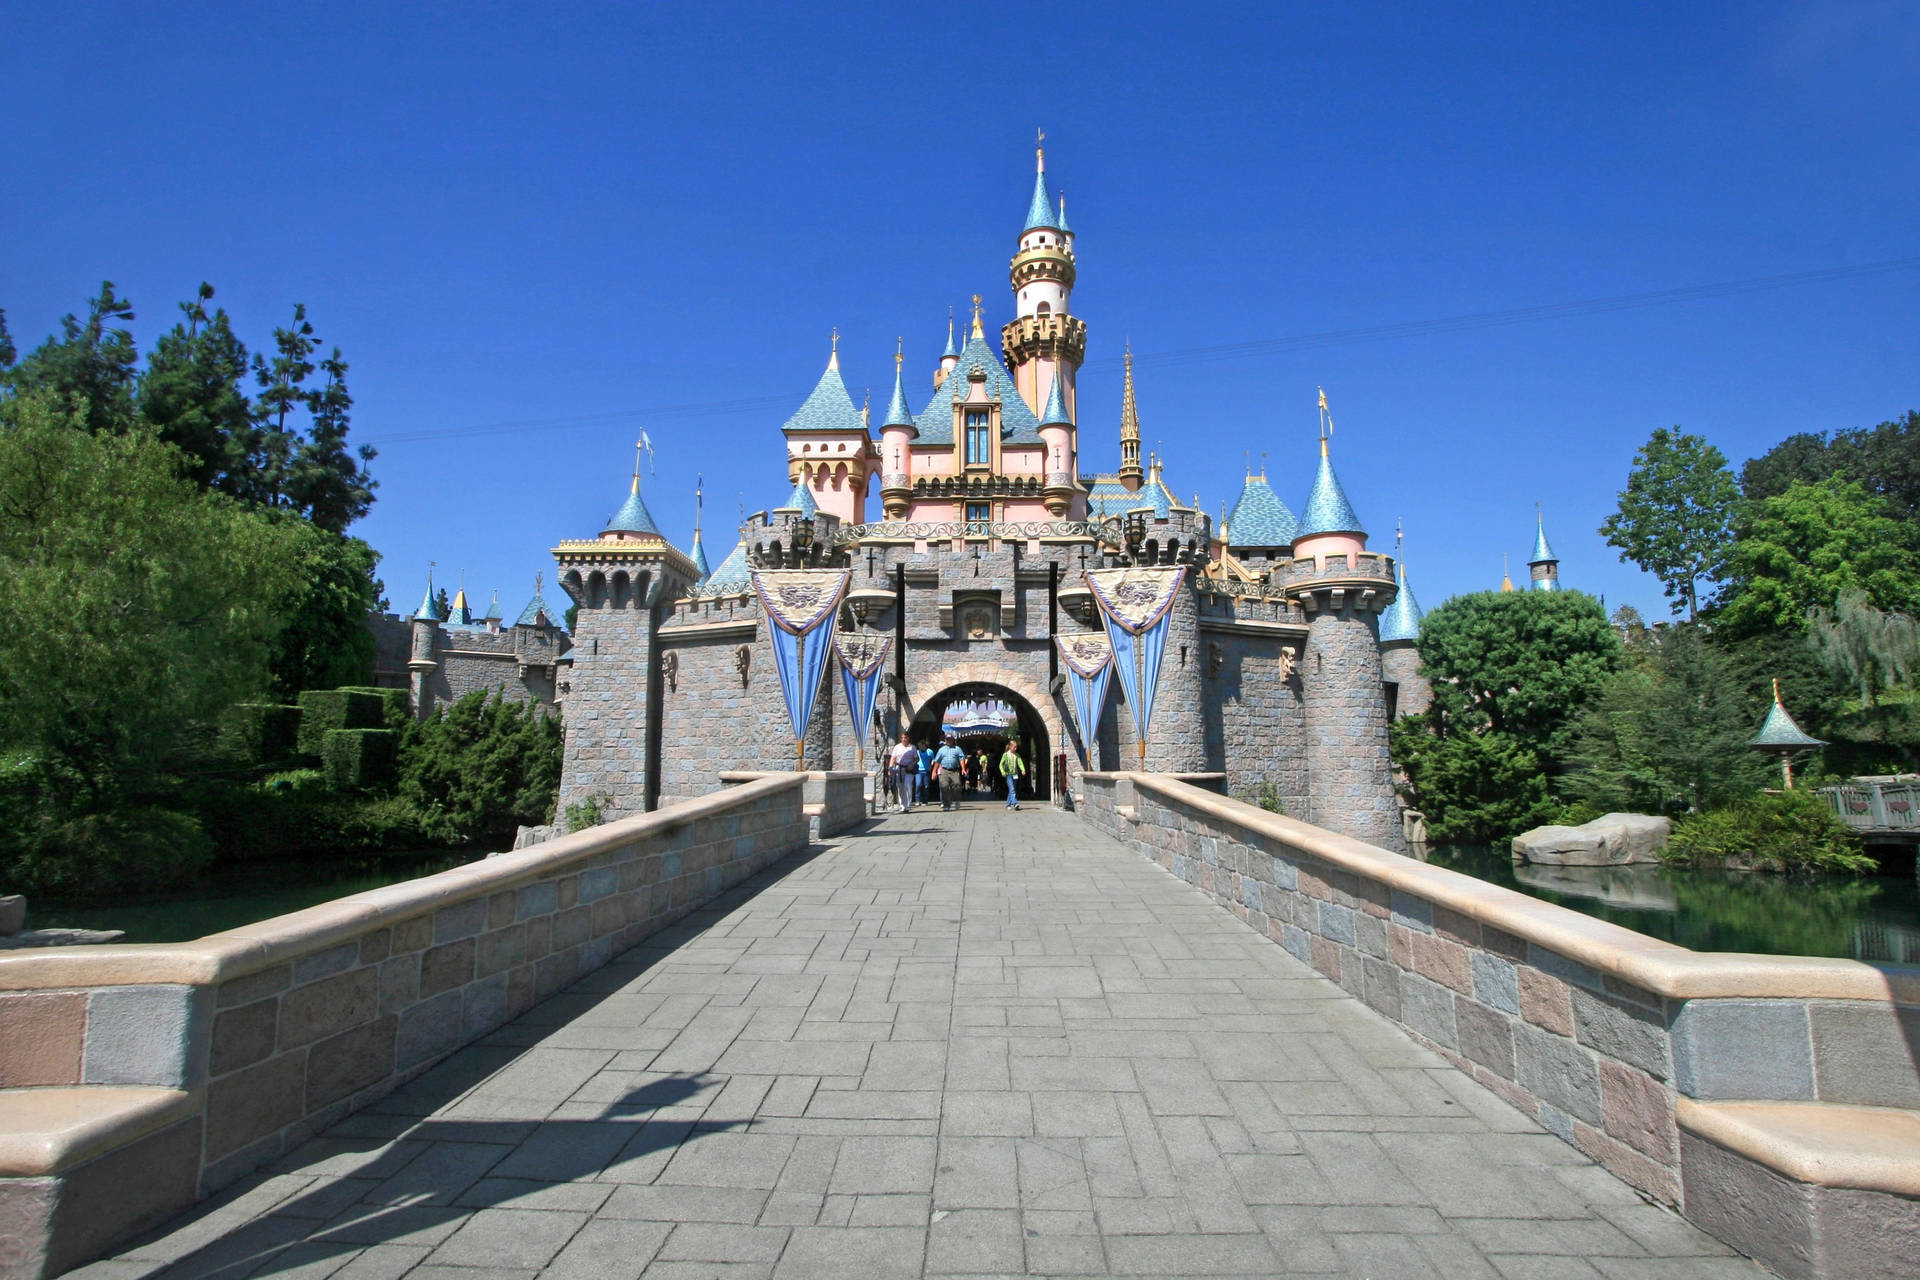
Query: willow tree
x,y
1876,649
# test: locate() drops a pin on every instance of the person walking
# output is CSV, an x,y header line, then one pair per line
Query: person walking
x,y
905,762
983,770
948,762
926,776
1011,767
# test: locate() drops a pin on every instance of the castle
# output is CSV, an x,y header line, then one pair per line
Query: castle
x,y
1290,647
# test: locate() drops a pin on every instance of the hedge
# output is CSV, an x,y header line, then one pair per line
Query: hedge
x,y
399,707
260,732
356,759
324,710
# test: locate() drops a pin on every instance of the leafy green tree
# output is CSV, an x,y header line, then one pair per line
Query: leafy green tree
x,y
1884,459
1675,517
1801,549
1510,672
1872,647
8,354
1802,458
324,642
1668,732
89,365
481,767
132,605
193,393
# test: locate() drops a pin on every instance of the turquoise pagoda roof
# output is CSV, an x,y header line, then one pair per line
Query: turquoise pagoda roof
x,y
1401,621
1259,518
829,407
801,500
1056,413
1017,423
1040,212
429,607
1542,553
897,413
633,516
1327,509
733,571
535,610
1779,731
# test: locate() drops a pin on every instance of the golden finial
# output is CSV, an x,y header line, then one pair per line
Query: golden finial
x,y
1506,577
977,332
1776,688
900,349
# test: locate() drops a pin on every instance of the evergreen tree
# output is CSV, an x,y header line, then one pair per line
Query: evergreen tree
x,y
328,482
192,393
282,383
89,365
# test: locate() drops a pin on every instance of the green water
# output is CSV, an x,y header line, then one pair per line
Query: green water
x,y
1874,918
233,896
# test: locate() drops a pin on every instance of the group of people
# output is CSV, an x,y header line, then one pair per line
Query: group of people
x,y
915,773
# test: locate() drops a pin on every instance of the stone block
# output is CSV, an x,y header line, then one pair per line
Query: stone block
x,y
122,1193
141,1035
324,964
500,910
42,1037
243,1036
1561,967
1427,1007
536,900
1370,935
461,920
1557,1071
1743,1049
255,986
413,935
328,1007
376,946
1634,1035
429,1029
1410,912
13,914
1545,1001
1639,1111
483,1006
251,1104
1865,1052
1380,986
351,1061
1486,1036
1495,982
446,967
399,982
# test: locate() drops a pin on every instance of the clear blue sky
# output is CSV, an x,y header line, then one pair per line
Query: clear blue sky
x,y
590,220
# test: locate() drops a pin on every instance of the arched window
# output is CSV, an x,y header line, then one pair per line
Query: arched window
x,y
1043,309
979,451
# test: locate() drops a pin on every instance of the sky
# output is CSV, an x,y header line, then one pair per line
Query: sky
x,y
536,230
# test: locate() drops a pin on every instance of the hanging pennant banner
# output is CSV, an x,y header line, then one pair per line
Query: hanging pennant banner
x,y
862,655
1136,605
1089,660
798,602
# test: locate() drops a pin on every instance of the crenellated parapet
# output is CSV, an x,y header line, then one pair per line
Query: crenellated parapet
x,y
1054,336
1332,580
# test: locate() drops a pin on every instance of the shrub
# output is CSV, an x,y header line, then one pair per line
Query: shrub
x,y
590,812
397,704
95,854
482,767
1773,831
295,782
324,710
257,733
358,759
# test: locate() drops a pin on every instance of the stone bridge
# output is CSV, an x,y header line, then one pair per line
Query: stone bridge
x,y
951,1044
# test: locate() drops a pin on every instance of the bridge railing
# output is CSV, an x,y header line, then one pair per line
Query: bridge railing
x,y
137,1079
1877,806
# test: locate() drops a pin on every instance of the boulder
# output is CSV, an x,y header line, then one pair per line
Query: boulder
x,y
1643,835
13,914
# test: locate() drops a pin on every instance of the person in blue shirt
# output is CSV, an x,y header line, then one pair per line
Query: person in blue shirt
x,y
947,763
926,775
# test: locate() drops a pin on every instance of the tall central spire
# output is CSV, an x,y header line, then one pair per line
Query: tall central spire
x,y
1130,473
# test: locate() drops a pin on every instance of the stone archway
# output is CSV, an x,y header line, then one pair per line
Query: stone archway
x,y
1018,718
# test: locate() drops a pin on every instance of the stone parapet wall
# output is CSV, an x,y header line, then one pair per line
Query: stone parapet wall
x,y
255,1039
836,801
1593,1030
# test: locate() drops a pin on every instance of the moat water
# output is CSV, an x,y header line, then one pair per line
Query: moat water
x,y
232,896
1874,918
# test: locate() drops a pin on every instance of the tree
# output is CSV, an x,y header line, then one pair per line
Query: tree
x,y
1801,549
89,365
324,642
1668,732
1676,515
1884,460
1874,648
1510,671
1799,459
192,392
327,482
282,386
482,766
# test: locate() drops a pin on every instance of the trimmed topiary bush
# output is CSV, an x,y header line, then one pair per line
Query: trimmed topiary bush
x,y
1773,831
399,708
357,759
324,710
260,732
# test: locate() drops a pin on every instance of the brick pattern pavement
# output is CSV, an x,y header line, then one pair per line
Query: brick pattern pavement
x,y
969,1044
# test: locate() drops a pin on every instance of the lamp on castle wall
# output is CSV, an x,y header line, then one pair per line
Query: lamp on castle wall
x,y
1136,533
802,539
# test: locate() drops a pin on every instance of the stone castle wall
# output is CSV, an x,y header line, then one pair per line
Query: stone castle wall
x,y
469,659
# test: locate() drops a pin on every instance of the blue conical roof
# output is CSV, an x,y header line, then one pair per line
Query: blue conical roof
x,y
801,500
1327,509
1040,212
733,571
1056,414
536,610
1542,553
1259,518
699,558
828,407
1401,621
1779,730
633,516
1017,423
952,352
1065,230
898,415
429,607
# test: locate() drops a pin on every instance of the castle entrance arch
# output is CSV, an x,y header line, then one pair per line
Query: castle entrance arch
x,y
983,717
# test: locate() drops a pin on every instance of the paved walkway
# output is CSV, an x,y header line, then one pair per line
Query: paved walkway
x,y
980,1043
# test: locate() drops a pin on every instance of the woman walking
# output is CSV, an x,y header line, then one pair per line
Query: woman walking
x,y
1011,767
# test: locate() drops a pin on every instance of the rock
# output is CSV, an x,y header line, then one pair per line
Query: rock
x,y
60,938
13,914
1643,834
1580,846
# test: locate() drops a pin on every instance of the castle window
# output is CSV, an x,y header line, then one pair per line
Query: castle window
x,y
979,454
979,513
1044,309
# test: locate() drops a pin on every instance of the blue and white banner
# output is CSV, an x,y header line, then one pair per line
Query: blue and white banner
x,y
1136,605
861,655
1089,660
800,606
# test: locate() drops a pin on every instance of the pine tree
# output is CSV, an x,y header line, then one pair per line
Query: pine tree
x,y
90,364
328,482
193,394
282,387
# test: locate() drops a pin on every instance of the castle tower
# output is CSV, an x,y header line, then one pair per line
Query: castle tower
x,y
1545,566
619,580
828,448
1410,692
1343,590
421,664
1130,474
1044,341
1056,433
948,358
699,556
897,434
